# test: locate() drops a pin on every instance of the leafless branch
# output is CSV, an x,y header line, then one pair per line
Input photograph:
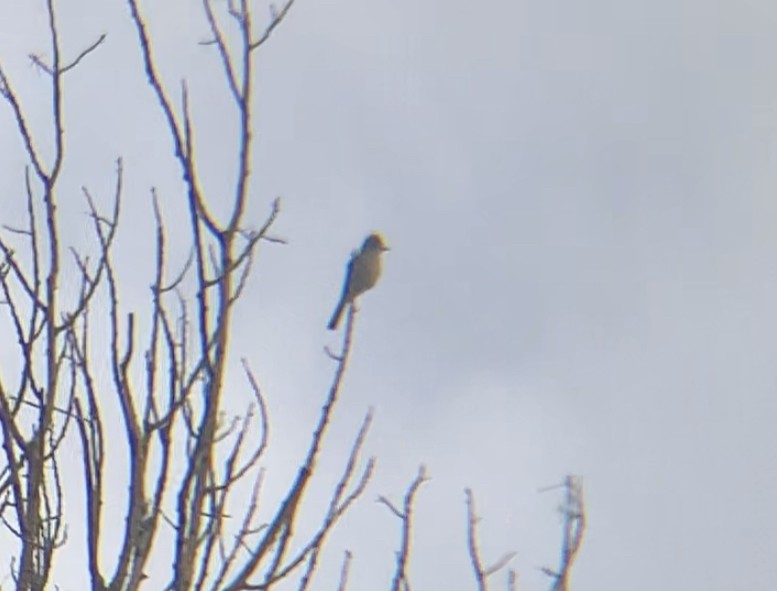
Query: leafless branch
x,y
84,53
574,519
276,18
512,580
400,578
481,573
344,570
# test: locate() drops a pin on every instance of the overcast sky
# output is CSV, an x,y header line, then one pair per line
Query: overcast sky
x,y
581,200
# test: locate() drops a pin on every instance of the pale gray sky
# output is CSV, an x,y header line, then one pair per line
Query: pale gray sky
x,y
582,204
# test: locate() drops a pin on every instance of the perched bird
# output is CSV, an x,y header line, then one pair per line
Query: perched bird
x,y
361,274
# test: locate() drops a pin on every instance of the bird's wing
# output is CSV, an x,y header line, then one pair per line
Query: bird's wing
x,y
345,295
349,275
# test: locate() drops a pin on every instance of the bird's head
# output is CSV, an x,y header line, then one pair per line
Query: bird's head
x,y
374,242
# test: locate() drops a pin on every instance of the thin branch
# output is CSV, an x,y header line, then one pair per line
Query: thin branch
x,y
512,580
83,54
481,573
573,511
344,570
406,515
289,505
276,20
337,508
219,41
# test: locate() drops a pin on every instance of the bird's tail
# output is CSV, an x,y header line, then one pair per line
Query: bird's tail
x,y
335,320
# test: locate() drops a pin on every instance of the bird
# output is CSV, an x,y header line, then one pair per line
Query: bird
x,y
361,274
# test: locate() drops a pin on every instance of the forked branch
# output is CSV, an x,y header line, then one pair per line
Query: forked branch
x,y
572,510
400,579
480,571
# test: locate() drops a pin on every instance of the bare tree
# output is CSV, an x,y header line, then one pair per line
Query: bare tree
x,y
182,360
190,469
